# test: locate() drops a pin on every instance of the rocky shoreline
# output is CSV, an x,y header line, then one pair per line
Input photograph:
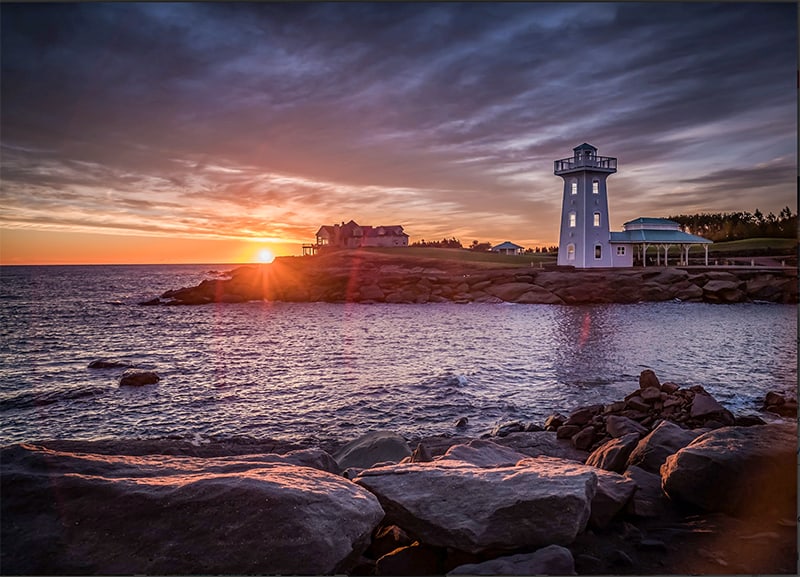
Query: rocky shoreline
x,y
362,278
664,481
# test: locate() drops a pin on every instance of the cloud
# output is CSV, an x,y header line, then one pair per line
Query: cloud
x,y
246,119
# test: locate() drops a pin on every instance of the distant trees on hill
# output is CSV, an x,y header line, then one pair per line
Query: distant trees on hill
x,y
444,243
723,226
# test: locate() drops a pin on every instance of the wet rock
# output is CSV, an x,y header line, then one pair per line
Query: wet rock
x,y
648,378
704,406
79,513
669,388
550,560
650,394
505,428
619,426
375,447
461,422
542,443
666,439
637,403
567,431
538,502
554,421
584,438
481,453
737,470
748,421
138,378
420,455
582,416
613,455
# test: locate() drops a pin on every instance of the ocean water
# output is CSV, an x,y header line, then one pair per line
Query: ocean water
x,y
318,371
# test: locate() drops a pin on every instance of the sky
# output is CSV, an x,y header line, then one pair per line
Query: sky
x,y
205,132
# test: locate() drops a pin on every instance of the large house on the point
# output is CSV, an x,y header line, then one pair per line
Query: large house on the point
x,y
585,240
353,235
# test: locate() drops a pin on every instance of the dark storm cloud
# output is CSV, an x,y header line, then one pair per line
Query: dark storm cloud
x,y
311,110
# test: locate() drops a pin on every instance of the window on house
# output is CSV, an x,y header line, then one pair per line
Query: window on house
x,y
574,186
597,219
595,187
573,220
598,252
620,251
570,252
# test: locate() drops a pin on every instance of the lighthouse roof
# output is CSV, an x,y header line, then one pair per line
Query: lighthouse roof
x,y
585,146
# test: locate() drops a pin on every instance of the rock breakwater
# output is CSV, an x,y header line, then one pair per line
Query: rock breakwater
x,y
361,279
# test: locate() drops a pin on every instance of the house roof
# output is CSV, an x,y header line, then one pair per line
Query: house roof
x,y
657,236
507,245
393,230
647,222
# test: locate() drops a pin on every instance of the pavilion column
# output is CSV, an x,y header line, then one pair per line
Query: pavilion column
x,y
644,254
705,246
666,255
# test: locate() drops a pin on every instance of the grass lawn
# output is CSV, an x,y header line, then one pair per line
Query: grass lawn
x,y
777,245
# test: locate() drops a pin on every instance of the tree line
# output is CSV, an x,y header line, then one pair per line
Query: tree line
x,y
725,226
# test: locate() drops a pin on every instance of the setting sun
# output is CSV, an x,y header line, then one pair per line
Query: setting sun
x,y
265,256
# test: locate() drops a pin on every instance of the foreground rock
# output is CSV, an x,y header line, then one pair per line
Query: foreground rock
x,y
451,503
550,560
86,513
737,470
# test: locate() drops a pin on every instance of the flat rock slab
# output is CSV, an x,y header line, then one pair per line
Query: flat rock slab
x,y
737,470
450,503
542,443
110,514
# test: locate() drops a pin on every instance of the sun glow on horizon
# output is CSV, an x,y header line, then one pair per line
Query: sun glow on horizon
x,y
265,256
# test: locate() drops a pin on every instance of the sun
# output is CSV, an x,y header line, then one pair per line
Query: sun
x,y
265,256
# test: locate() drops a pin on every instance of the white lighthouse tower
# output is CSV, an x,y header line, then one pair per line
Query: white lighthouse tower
x,y
585,235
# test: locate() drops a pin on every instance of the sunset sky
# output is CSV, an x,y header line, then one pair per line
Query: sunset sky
x,y
204,132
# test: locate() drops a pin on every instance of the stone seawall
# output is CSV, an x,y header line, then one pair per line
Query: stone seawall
x,y
363,281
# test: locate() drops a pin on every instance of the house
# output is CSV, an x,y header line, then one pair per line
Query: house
x,y
585,240
508,247
353,235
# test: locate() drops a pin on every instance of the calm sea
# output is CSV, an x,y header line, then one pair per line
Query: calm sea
x,y
301,371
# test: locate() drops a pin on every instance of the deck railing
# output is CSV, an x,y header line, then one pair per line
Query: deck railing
x,y
601,162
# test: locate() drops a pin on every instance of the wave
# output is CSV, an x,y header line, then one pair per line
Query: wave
x,y
32,399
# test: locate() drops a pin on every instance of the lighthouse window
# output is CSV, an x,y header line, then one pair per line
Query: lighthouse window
x,y
595,187
570,252
598,252
574,187
597,219
573,220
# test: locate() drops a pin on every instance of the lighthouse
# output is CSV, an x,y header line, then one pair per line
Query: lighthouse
x,y
584,238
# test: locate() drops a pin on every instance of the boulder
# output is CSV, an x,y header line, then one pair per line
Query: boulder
x,y
374,447
648,378
504,429
482,453
723,291
542,443
613,493
737,470
704,406
584,438
613,455
138,378
550,560
84,513
666,439
648,500
448,503
619,426
650,394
